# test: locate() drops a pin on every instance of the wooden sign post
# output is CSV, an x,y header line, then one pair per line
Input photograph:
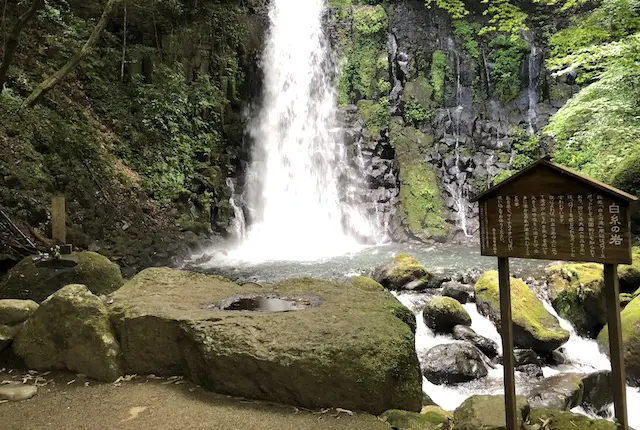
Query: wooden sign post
x,y
58,220
550,212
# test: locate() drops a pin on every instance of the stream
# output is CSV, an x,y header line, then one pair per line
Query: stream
x,y
582,354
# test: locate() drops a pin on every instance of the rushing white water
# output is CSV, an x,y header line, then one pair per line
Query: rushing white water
x,y
238,226
300,171
583,356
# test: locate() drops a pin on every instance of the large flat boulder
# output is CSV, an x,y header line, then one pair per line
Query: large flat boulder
x,y
71,330
37,279
349,347
533,326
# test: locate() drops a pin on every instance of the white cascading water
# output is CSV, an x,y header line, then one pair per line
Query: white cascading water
x,y
299,169
583,356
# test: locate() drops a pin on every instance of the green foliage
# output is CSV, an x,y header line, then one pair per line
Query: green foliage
x,y
439,71
182,121
505,17
375,114
456,8
416,115
526,150
364,66
467,32
507,56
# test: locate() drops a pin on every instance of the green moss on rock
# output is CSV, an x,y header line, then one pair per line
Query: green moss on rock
x,y
630,320
14,312
402,270
576,292
432,418
71,330
28,281
442,314
350,351
533,326
629,274
486,412
564,420
365,283
375,115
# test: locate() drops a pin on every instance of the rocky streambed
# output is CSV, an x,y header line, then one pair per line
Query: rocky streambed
x,y
346,343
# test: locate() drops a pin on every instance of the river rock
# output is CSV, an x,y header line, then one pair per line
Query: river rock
x,y
532,370
486,345
362,282
598,392
533,326
452,363
430,418
14,312
526,356
401,271
630,320
442,314
561,392
17,392
485,412
564,420
7,333
629,274
348,349
34,280
576,293
71,330
458,291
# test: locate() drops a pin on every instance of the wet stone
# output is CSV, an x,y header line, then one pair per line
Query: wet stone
x,y
17,392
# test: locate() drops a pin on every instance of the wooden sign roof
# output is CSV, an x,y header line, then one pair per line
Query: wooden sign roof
x,y
547,211
608,189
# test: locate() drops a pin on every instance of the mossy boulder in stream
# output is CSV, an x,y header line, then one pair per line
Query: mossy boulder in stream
x,y
430,418
565,420
401,271
71,330
485,412
37,280
533,326
576,293
442,314
365,283
630,319
346,348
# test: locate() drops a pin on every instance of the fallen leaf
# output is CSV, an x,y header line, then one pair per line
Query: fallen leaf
x,y
134,412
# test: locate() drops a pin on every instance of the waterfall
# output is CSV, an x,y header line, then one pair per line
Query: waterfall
x,y
237,227
532,90
456,187
300,172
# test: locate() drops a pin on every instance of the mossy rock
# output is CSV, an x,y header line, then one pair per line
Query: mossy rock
x,y
419,90
27,280
7,333
577,294
564,420
14,311
533,326
431,418
365,283
71,330
485,412
629,274
349,350
630,320
402,270
560,392
442,314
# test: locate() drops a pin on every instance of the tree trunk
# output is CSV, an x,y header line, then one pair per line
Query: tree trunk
x,y
58,76
14,37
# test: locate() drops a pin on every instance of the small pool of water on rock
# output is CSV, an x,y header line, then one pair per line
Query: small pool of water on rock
x,y
265,304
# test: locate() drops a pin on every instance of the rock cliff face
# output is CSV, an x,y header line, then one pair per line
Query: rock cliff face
x,y
435,112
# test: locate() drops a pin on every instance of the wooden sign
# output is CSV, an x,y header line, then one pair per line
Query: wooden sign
x,y
547,211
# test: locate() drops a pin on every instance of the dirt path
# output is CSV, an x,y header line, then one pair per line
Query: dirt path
x,y
67,401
